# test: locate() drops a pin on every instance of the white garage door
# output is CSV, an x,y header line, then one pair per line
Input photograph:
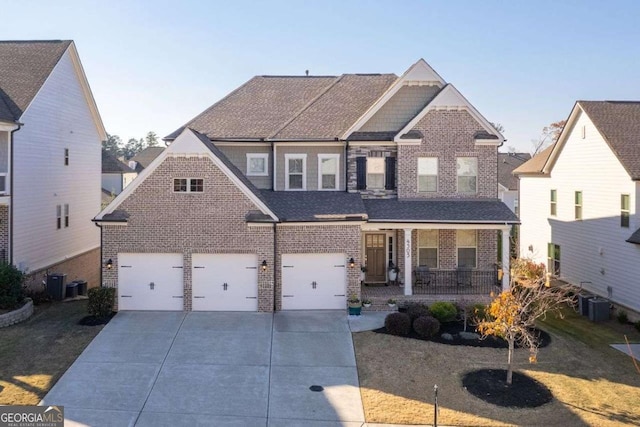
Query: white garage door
x,y
313,281
150,282
225,282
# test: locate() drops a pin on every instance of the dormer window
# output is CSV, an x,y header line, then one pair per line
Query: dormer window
x,y
257,164
296,165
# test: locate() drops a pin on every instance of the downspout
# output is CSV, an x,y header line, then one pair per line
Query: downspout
x,y
100,226
273,166
275,257
10,242
346,166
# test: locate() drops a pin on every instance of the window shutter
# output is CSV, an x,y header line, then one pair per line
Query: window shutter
x,y
361,173
390,173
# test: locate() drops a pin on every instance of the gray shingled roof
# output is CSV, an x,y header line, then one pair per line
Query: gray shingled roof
x,y
619,124
635,237
507,163
535,165
146,156
315,205
440,211
112,165
291,107
24,67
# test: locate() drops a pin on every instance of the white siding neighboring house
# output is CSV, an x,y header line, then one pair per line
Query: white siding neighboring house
x,y
51,127
579,202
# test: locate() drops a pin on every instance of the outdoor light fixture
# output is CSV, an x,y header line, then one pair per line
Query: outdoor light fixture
x,y
109,264
352,262
264,265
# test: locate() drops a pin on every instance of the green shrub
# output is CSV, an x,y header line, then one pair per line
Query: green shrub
x,y
38,296
623,317
415,310
11,292
101,301
444,311
398,324
426,326
477,312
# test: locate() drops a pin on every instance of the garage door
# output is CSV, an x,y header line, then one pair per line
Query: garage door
x,y
225,282
313,281
150,282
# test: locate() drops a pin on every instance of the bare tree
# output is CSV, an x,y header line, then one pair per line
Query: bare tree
x,y
513,313
550,135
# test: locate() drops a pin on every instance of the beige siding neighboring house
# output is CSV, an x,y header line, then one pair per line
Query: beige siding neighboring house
x,y
275,196
579,202
50,138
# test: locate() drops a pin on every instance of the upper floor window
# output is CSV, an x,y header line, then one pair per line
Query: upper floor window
x,y
427,174
428,248
553,203
624,210
188,185
467,244
257,164
66,157
375,172
66,215
59,217
328,166
578,204
296,178
467,175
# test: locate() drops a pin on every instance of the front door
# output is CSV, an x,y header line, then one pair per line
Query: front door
x,y
374,250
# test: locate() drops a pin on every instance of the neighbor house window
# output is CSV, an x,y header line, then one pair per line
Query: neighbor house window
x,y
328,166
428,248
257,164
188,185
375,172
66,215
553,259
624,210
553,203
427,174
467,244
578,204
66,157
467,175
59,217
296,165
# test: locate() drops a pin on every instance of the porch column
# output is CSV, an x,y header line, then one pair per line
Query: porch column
x,y
506,232
407,261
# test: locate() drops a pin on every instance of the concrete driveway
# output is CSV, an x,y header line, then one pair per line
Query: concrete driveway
x,y
212,368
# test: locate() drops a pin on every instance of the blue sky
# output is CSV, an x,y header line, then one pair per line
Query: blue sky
x,y
153,65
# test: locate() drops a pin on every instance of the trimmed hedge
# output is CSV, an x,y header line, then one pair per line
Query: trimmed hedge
x,y
415,310
11,292
101,301
398,324
426,326
444,311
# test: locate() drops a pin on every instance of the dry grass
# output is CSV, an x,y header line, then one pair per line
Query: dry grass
x,y
34,354
592,383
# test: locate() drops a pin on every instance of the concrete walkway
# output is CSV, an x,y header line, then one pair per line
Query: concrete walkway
x,y
211,368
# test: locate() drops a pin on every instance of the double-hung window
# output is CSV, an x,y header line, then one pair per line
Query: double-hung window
x,y
427,174
624,210
328,167
375,172
467,244
553,203
66,215
188,185
578,204
428,248
467,168
553,259
296,169
66,157
59,217
257,164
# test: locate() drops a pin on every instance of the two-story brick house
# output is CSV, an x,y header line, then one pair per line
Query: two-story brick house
x,y
274,197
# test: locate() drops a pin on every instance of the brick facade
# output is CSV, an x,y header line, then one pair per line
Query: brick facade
x,y
85,266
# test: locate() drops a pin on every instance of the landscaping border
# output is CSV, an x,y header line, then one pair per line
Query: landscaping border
x,y
17,316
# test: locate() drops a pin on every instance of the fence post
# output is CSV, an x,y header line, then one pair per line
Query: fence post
x,y
435,407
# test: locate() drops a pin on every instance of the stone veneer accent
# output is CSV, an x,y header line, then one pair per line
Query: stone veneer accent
x,y
447,135
17,316
369,151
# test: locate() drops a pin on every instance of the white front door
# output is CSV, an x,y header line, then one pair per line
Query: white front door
x,y
150,282
314,281
225,282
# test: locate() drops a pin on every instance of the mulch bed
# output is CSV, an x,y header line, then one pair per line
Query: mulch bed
x,y
94,321
454,329
490,385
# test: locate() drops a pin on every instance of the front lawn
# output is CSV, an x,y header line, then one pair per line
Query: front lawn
x,y
35,353
592,383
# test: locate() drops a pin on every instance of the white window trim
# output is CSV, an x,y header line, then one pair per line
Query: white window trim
x,y
173,188
384,173
458,176
437,175
322,157
467,247
264,156
288,157
436,247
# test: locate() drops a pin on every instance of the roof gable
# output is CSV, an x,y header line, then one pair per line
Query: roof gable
x,y
112,165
